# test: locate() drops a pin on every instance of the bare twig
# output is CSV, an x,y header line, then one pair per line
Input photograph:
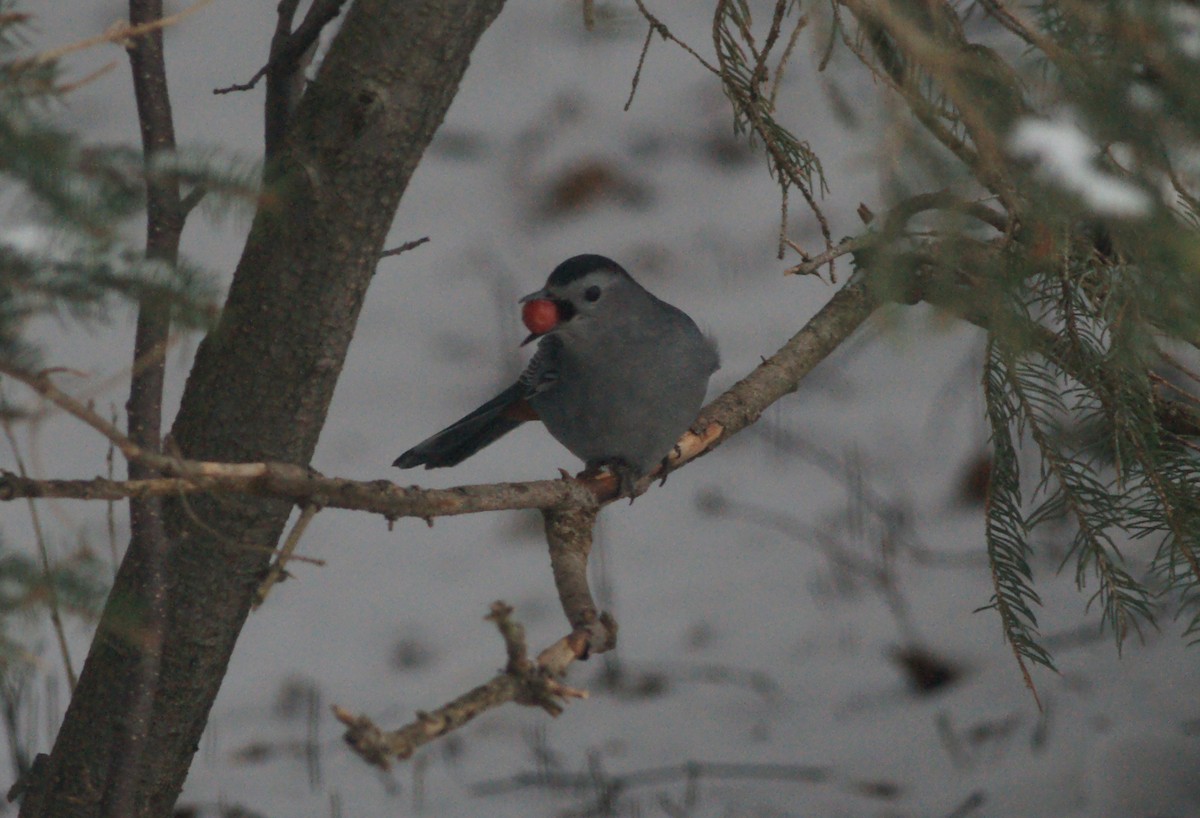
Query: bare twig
x,y
285,553
661,29
781,66
404,248
291,52
813,264
893,225
637,72
522,681
249,85
40,382
118,32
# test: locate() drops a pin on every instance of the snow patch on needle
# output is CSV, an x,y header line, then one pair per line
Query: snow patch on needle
x,y
1068,156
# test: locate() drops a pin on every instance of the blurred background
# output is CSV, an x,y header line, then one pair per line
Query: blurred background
x,y
799,633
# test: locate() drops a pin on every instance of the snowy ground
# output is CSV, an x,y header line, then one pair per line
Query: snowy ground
x,y
757,638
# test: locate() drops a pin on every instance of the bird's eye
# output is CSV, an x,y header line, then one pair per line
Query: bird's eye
x,y
592,293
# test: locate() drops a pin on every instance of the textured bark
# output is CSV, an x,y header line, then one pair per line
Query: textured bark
x,y
262,383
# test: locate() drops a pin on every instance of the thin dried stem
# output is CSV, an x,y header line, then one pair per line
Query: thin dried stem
x,y
661,29
637,72
118,32
285,553
52,601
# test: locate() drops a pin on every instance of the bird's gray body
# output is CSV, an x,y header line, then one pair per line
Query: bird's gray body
x,y
616,381
629,388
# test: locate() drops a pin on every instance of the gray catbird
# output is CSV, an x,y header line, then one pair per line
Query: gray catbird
x,y
617,377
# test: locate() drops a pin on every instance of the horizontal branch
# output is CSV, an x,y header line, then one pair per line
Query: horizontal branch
x,y
307,487
731,412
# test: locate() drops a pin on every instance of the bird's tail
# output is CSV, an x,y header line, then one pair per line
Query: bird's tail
x,y
464,437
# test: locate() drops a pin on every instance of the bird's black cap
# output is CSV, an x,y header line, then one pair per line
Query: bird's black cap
x,y
578,266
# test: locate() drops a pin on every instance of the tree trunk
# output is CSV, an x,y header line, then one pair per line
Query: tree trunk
x,y
261,386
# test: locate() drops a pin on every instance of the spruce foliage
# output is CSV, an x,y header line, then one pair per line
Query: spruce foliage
x,y
72,249
1047,190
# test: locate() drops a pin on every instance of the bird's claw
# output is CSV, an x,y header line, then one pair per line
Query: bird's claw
x,y
665,465
626,479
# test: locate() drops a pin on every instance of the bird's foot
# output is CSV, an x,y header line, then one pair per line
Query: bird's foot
x,y
626,475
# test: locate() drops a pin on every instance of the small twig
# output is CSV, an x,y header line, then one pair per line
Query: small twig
x,y
522,681
812,264
661,29
637,72
44,554
285,553
404,248
835,25
40,383
784,242
801,24
243,86
893,224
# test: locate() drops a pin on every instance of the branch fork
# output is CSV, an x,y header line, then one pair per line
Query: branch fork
x,y
522,681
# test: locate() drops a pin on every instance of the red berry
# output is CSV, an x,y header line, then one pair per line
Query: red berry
x,y
540,315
